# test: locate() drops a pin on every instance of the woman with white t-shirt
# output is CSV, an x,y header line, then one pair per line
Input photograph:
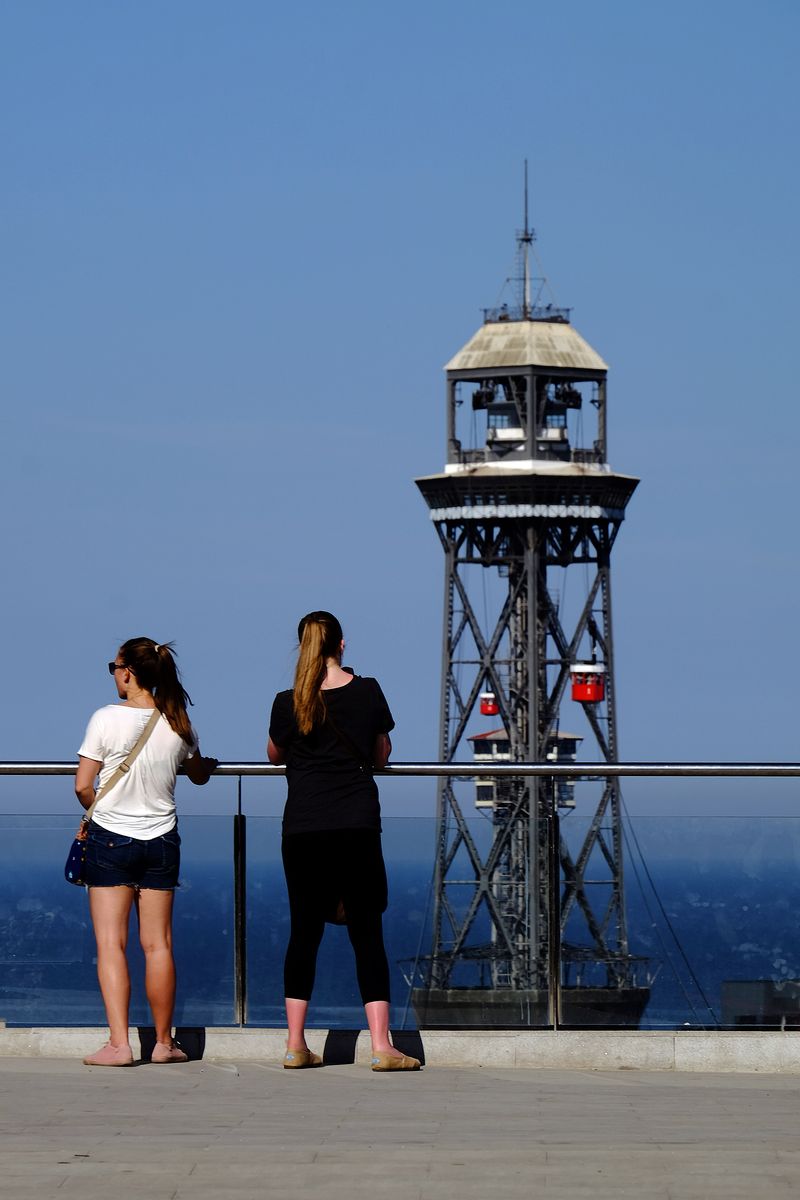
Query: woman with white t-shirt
x,y
133,847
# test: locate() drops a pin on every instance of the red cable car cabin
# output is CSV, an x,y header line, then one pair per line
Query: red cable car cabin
x,y
588,682
489,705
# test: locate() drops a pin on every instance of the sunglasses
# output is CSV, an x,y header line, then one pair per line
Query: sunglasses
x,y
114,666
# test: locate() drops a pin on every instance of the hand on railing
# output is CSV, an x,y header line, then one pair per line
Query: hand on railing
x,y
200,769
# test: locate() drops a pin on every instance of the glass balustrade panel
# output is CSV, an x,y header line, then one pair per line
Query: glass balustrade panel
x,y
710,871
47,946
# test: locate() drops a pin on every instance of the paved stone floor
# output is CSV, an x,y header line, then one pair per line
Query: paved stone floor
x,y
244,1130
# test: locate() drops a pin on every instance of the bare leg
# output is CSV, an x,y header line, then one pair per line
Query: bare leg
x,y
296,1021
154,909
110,908
378,1021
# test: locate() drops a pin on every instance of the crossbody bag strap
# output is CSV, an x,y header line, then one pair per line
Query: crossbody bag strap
x,y
125,766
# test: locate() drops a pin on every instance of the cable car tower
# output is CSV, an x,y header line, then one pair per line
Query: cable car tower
x,y
526,504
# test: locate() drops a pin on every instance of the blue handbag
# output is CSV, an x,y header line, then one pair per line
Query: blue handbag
x,y
76,859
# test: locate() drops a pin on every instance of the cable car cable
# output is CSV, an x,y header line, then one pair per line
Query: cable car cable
x,y
422,928
629,831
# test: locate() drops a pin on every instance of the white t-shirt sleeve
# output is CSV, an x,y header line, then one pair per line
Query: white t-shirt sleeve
x,y
93,745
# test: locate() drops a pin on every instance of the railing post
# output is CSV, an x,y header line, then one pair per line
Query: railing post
x,y
554,913
240,908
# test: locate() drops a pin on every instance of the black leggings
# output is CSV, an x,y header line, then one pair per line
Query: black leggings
x,y
322,869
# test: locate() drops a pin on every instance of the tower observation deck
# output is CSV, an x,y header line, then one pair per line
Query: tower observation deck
x,y
527,510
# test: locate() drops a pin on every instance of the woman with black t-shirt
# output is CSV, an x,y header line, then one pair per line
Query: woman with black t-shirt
x,y
331,730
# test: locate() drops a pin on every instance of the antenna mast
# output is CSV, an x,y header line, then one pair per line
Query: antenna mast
x,y
525,240
526,309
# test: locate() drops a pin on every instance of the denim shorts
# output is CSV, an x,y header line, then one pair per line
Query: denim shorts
x,y
113,860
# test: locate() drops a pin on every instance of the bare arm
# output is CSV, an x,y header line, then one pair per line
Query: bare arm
x,y
87,772
381,751
275,754
200,769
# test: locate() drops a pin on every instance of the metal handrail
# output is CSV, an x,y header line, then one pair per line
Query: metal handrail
x,y
604,770
465,770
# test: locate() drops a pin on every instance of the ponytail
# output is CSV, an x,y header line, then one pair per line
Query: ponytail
x,y
154,666
320,637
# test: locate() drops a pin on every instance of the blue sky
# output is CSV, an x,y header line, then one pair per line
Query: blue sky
x,y
240,240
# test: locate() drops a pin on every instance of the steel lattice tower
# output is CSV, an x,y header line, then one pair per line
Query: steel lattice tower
x,y
518,502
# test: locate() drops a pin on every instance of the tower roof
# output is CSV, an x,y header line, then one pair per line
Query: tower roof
x,y
526,344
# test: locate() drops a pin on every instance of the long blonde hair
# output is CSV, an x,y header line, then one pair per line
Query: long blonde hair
x,y
320,637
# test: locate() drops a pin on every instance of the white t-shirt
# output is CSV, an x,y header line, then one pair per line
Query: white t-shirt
x,y
142,803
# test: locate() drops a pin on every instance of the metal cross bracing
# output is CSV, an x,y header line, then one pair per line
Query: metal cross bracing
x,y
528,676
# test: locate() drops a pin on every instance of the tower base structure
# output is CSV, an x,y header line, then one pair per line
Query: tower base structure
x,y
494,1008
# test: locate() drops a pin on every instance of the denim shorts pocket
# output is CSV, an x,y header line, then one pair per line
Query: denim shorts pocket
x,y
163,860
108,850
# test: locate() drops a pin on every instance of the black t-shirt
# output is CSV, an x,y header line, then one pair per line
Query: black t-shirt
x,y
328,786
